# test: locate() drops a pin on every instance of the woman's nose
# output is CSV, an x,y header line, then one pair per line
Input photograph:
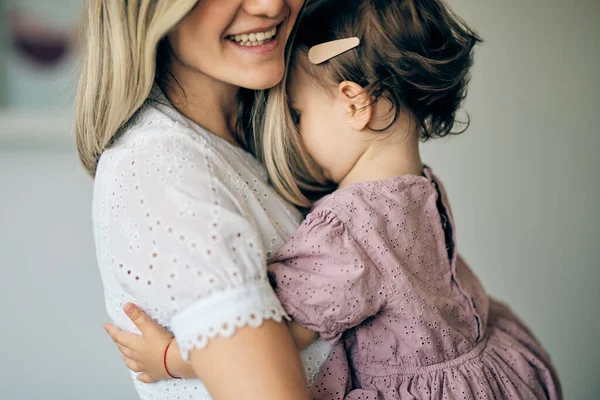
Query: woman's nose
x,y
265,8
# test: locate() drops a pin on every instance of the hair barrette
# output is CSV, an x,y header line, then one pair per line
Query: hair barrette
x,y
326,51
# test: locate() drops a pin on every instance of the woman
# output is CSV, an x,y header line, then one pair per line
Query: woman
x,y
183,215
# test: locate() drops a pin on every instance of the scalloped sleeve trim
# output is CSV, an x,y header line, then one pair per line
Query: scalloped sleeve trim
x,y
223,313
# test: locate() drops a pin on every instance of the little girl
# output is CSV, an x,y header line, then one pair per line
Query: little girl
x,y
375,268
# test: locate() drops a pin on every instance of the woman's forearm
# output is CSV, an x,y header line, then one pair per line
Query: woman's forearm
x,y
254,364
302,337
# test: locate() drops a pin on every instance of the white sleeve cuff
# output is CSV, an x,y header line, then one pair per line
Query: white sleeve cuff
x,y
222,313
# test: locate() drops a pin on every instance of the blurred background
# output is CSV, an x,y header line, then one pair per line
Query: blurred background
x,y
523,182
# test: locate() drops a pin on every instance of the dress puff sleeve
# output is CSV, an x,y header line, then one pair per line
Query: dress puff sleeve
x,y
324,279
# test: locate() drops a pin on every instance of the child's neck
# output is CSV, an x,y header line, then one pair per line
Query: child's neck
x,y
396,154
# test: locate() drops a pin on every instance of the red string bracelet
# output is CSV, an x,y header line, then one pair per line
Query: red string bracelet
x,y
165,363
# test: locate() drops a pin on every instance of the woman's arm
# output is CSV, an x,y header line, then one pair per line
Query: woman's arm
x,y
256,363
144,353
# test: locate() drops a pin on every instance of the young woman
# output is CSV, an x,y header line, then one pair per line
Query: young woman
x,y
184,218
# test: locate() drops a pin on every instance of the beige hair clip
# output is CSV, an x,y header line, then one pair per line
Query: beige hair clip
x,y
325,51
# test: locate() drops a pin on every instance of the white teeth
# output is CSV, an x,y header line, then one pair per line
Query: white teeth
x,y
254,39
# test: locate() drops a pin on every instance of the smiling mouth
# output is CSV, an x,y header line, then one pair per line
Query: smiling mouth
x,y
255,38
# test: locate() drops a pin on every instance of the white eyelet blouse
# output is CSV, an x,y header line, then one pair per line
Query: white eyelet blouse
x,y
184,223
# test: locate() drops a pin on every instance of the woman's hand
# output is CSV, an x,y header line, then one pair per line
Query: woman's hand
x,y
144,354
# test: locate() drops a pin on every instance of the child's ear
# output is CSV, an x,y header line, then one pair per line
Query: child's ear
x,y
358,104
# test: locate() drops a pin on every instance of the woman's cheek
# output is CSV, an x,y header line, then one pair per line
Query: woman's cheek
x,y
295,6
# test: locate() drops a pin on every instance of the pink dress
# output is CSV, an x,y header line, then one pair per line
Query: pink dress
x,y
375,270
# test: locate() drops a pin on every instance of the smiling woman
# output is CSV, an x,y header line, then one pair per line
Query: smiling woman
x,y
203,41
184,217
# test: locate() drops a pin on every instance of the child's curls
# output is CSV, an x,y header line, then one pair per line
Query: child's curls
x,y
417,54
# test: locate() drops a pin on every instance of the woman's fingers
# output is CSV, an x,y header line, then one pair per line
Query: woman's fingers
x,y
138,317
131,364
145,378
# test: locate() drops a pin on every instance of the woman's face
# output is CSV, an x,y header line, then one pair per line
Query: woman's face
x,y
239,42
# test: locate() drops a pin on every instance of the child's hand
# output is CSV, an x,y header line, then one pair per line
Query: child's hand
x,y
144,353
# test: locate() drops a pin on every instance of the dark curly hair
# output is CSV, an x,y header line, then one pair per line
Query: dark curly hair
x,y
415,53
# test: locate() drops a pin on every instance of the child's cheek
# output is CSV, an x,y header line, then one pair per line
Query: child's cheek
x,y
313,143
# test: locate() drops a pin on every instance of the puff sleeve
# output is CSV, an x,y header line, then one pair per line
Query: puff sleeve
x,y
324,279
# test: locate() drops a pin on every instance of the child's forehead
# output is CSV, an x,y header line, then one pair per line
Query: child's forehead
x,y
301,82
300,68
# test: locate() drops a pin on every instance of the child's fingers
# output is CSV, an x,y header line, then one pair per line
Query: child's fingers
x,y
145,378
125,351
112,330
131,364
121,337
128,339
138,317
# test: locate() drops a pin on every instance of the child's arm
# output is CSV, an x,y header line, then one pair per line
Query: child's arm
x,y
144,353
302,336
325,280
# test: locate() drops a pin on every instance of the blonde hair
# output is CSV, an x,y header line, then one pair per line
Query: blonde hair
x,y
292,172
119,66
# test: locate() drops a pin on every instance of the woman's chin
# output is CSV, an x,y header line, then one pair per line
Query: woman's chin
x,y
261,80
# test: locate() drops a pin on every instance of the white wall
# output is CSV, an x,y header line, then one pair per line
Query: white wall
x,y
523,183
53,346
